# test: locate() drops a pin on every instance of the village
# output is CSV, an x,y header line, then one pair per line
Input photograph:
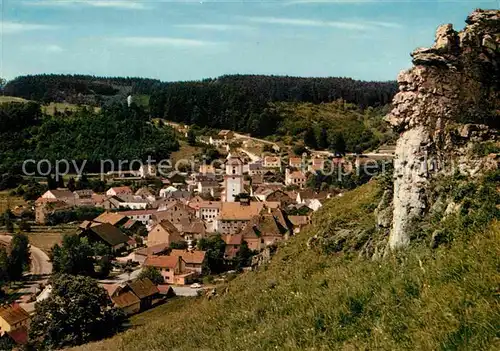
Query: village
x,y
247,203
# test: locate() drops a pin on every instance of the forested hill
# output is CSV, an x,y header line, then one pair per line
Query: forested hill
x,y
59,88
237,102
241,102
78,89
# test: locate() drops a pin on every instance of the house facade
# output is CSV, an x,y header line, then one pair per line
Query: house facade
x,y
117,191
297,178
194,260
163,233
172,268
13,317
272,162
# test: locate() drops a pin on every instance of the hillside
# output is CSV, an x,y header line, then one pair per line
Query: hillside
x,y
244,102
51,108
319,125
115,132
77,89
422,299
237,102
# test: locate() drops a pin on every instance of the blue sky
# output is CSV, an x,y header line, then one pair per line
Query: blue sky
x,y
186,40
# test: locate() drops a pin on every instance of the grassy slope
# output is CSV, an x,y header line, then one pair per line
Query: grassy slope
x,y
185,152
7,201
423,300
337,116
11,99
48,109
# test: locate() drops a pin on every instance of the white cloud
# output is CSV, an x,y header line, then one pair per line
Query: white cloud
x,y
385,24
356,25
309,23
50,48
162,41
306,2
54,48
214,27
19,27
117,4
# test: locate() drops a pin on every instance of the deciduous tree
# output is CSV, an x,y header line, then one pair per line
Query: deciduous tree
x,y
20,256
77,311
152,274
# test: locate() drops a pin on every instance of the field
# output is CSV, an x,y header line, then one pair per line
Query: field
x,y
49,109
172,305
7,201
186,152
11,99
44,237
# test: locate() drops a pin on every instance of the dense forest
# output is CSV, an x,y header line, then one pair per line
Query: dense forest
x,y
242,102
78,89
237,102
337,126
115,132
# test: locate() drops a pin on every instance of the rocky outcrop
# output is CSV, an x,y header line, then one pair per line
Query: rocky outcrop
x,y
448,102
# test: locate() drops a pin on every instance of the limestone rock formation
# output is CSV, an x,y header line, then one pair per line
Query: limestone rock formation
x,y
449,101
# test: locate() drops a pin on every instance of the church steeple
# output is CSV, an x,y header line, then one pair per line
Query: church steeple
x,y
233,180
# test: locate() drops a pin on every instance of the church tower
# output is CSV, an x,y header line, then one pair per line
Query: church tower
x,y
233,179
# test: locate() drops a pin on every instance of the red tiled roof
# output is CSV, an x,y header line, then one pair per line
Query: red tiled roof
x,y
299,220
164,289
190,257
143,287
162,261
152,250
13,314
121,190
125,299
233,239
110,217
110,288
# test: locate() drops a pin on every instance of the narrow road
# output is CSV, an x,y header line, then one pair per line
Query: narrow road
x,y
40,271
40,262
122,278
252,156
241,136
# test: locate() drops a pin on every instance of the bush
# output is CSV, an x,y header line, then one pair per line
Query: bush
x,y
77,311
152,274
74,215
24,226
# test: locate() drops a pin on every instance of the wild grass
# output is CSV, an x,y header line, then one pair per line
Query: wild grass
x,y
11,99
420,299
61,107
185,152
10,202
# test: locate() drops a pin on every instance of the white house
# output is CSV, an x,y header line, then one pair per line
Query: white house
x,y
207,187
132,201
165,191
120,190
272,162
297,178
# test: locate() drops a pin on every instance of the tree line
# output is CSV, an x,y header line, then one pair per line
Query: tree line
x,y
76,88
243,102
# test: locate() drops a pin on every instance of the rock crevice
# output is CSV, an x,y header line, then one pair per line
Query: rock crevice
x,y
447,101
